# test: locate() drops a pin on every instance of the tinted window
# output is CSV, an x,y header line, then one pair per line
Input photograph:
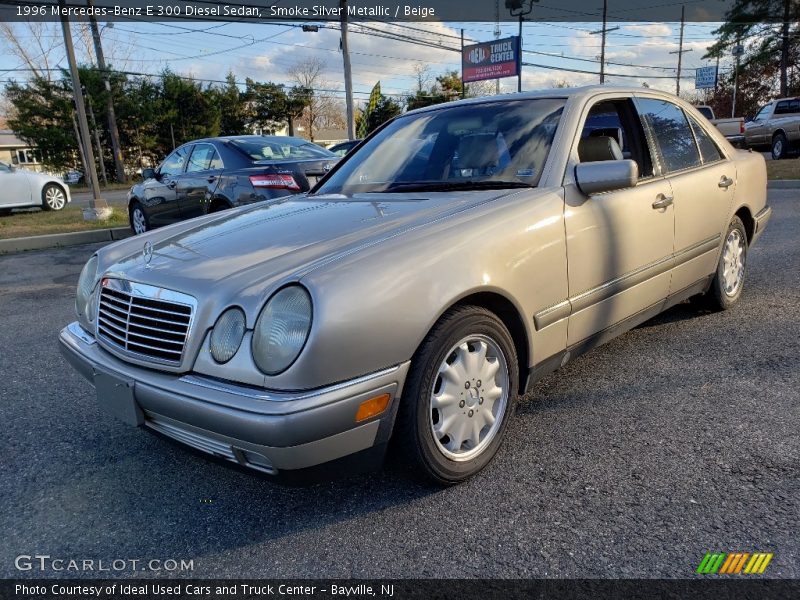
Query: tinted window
x,y
708,149
173,164
200,159
671,132
782,108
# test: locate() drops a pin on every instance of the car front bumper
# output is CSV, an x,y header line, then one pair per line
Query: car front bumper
x,y
270,431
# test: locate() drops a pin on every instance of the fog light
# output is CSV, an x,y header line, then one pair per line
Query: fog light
x,y
373,406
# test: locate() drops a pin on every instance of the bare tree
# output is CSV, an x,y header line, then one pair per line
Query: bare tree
x,y
422,73
37,44
324,110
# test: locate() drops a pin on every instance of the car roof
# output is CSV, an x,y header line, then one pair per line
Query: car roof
x,y
578,93
267,138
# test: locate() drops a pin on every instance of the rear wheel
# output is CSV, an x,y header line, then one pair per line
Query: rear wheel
x,y
53,197
727,285
459,395
780,146
139,221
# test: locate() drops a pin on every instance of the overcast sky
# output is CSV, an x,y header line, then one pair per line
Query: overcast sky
x,y
265,51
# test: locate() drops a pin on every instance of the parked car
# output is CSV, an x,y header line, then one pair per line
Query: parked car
x,y
776,127
462,252
73,177
343,148
732,129
20,188
213,174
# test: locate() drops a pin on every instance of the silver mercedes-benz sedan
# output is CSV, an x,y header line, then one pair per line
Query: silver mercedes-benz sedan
x,y
459,254
21,188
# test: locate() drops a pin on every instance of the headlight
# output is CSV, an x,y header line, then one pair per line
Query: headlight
x,y
85,286
227,335
282,329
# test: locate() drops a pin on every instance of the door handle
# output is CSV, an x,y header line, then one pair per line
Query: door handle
x,y
212,178
662,201
725,182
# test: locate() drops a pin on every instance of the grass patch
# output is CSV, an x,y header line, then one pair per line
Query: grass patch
x,y
783,169
82,187
40,222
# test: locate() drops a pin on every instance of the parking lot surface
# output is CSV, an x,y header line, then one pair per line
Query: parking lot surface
x,y
676,439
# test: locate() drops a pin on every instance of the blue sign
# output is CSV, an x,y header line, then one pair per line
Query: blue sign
x,y
705,78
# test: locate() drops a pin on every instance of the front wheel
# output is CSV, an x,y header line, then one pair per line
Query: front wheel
x,y
53,197
780,146
139,221
459,395
726,287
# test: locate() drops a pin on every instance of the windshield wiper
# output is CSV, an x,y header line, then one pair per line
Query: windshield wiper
x,y
444,186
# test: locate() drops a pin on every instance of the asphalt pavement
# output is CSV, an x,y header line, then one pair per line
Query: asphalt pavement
x,y
677,439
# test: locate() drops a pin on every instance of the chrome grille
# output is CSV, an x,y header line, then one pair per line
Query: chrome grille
x,y
140,321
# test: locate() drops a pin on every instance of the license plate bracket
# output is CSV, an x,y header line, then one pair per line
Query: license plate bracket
x,y
115,396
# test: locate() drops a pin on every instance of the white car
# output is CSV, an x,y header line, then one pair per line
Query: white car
x,y
20,188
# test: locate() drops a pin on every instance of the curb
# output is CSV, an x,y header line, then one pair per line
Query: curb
x,y
56,240
784,184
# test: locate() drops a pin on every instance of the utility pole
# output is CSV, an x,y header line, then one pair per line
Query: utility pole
x,y
463,86
348,76
98,208
680,52
119,166
97,141
603,33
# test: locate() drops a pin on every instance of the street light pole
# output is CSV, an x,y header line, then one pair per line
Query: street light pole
x,y
98,208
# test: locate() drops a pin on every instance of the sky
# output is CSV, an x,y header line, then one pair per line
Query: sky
x,y
264,52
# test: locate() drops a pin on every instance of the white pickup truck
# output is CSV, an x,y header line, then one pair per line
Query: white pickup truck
x,y
732,129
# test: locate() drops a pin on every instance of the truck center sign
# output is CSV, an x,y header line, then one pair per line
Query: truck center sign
x,y
491,60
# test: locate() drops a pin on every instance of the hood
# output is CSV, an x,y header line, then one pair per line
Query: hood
x,y
246,248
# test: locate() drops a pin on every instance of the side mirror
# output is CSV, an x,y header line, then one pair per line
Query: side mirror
x,y
148,173
606,175
12,168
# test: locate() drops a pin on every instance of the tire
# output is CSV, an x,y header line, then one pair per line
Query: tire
x,y
4,212
53,197
728,282
427,436
780,146
138,219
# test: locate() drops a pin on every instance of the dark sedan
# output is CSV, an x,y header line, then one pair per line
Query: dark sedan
x,y
344,148
213,174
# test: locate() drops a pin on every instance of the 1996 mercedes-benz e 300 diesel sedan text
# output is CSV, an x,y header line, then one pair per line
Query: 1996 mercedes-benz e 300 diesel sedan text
x,y
460,253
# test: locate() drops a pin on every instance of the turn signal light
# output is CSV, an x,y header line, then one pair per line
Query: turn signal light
x,y
279,181
373,406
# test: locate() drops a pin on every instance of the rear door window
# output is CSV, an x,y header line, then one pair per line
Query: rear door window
x,y
709,151
200,159
671,134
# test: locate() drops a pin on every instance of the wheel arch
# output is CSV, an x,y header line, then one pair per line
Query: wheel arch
x,y
747,219
509,314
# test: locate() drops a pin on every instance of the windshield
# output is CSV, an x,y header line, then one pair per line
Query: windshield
x,y
259,149
491,145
